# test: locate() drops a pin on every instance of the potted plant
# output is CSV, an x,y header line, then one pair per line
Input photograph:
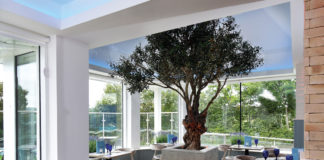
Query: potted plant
x,y
162,138
186,60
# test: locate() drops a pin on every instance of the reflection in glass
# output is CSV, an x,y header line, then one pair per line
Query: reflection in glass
x,y
105,113
268,111
27,106
169,116
147,117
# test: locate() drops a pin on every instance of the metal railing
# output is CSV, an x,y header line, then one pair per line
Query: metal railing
x,y
224,138
147,130
150,129
99,124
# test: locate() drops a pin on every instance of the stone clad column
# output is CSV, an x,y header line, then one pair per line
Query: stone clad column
x,y
314,79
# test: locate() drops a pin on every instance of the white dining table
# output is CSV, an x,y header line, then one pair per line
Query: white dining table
x,y
114,154
246,148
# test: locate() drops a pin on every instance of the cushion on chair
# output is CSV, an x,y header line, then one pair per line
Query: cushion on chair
x,y
157,156
245,157
229,158
223,147
157,146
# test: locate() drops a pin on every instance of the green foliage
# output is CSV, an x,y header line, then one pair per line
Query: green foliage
x,y
169,100
162,139
190,58
207,50
92,146
260,115
147,101
235,138
22,100
112,97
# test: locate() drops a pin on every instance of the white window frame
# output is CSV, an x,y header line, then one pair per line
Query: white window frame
x,y
41,41
104,77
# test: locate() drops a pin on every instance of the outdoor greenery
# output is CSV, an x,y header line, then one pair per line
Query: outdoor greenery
x,y
147,101
109,108
267,116
169,103
112,98
186,60
162,139
262,115
92,146
235,138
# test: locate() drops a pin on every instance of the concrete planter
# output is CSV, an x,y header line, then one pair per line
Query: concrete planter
x,y
176,153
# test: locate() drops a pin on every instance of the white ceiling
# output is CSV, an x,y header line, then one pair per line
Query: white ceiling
x,y
147,18
268,28
144,19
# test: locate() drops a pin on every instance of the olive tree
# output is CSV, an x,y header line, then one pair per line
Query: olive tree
x,y
186,60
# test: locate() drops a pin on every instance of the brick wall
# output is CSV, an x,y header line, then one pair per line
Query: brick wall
x,y
314,79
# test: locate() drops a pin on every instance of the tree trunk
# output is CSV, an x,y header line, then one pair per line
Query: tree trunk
x,y
195,127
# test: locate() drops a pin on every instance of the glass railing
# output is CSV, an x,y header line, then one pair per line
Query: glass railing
x,y
169,126
27,141
107,126
223,138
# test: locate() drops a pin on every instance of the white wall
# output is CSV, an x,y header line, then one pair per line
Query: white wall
x,y
68,98
132,119
9,112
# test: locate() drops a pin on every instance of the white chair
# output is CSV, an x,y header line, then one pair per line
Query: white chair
x,y
132,151
226,150
157,148
245,157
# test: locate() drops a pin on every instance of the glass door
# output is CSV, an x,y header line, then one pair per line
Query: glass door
x,y
19,100
27,106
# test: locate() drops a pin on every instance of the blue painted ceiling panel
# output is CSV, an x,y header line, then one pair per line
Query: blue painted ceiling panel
x,y
268,28
61,9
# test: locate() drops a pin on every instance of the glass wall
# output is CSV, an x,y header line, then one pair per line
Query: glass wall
x,y
1,112
169,116
147,117
27,106
105,113
268,111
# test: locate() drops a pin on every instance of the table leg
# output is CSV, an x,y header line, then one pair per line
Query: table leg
x,y
247,152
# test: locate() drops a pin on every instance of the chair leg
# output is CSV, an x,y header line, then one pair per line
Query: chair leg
x,y
132,156
154,155
225,152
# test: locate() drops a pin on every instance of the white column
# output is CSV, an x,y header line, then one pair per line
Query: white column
x,y
9,113
67,115
182,111
132,117
157,110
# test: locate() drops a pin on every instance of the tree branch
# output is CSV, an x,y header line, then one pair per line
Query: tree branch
x,y
219,88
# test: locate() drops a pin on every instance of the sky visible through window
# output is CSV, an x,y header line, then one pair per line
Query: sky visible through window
x,y
96,92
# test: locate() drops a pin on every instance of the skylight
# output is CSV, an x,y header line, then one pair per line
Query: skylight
x,y
61,9
62,14
268,28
